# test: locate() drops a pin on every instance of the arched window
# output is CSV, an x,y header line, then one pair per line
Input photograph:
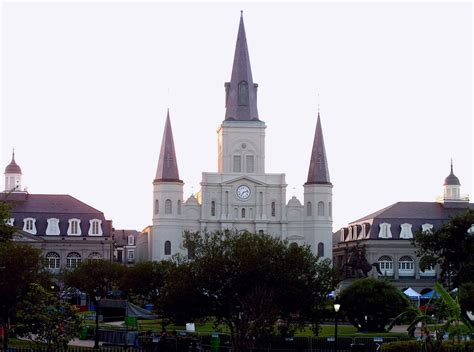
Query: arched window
x,y
320,209
273,209
243,213
320,249
243,93
168,206
167,248
73,259
309,210
429,272
213,208
53,260
94,256
386,265
260,232
179,207
406,266
157,206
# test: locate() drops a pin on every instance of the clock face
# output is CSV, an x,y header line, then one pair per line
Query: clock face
x,y
243,192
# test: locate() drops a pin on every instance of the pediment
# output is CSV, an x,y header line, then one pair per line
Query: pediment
x,y
244,178
22,236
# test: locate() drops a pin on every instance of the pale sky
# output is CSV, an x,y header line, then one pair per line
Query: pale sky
x,y
85,88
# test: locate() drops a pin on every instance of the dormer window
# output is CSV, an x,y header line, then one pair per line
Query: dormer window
x,y
428,228
53,227
243,93
131,240
29,225
470,231
405,231
74,228
10,222
385,231
95,228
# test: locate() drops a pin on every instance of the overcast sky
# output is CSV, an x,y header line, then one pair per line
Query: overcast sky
x,y
85,88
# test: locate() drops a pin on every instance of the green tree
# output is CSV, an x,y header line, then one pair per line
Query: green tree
x,y
92,274
451,247
20,266
6,231
144,280
42,317
249,282
466,296
370,303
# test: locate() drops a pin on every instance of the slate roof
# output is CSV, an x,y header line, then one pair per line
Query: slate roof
x,y
61,206
241,71
318,172
414,213
167,169
121,236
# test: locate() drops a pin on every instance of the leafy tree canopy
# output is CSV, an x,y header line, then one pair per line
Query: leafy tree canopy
x,y
370,303
92,274
248,282
451,247
44,318
144,280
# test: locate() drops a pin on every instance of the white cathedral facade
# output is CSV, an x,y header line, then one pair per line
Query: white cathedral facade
x,y
240,195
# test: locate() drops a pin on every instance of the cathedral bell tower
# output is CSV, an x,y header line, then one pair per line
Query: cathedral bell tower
x,y
318,198
241,136
167,200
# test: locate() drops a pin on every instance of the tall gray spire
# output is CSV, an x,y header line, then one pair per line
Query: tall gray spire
x,y
318,167
167,170
241,92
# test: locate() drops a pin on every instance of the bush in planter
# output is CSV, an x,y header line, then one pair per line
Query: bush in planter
x,y
402,346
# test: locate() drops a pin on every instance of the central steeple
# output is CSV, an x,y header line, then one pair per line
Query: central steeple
x,y
241,92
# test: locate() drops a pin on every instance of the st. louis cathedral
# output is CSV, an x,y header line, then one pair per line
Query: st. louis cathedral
x,y
240,195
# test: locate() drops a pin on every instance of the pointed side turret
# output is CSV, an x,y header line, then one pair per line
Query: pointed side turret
x,y
241,92
318,198
318,167
167,170
13,176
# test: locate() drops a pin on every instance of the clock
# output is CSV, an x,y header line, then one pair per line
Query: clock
x,y
243,192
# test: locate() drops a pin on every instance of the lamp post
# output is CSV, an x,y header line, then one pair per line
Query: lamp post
x,y
97,297
336,309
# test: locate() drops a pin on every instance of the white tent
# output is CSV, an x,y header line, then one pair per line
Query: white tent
x,y
413,295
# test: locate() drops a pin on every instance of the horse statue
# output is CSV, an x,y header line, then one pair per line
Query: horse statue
x,y
357,265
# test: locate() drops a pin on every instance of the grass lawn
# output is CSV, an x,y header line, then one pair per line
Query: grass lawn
x,y
207,327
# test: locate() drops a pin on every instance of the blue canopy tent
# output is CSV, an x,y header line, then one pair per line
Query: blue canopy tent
x,y
430,294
